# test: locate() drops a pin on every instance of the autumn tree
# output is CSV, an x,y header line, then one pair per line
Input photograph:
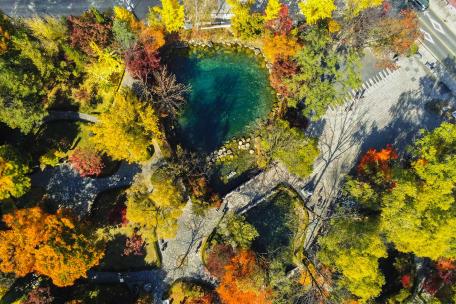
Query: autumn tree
x,y
396,34
282,69
272,10
39,295
140,63
282,24
244,281
245,24
189,293
87,162
91,27
315,10
354,7
6,29
168,95
14,181
374,176
104,74
279,46
352,247
418,214
218,257
48,244
50,31
153,208
237,231
170,15
127,129
288,145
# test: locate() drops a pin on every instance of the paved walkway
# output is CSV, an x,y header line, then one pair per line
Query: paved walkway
x,y
391,112
67,187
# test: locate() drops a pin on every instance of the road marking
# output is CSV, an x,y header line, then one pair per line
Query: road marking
x,y
437,26
447,48
427,36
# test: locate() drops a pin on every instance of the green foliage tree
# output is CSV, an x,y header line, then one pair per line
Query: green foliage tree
x,y
419,213
123,34
288,145
14,181
245,24
324,75
316,10
128,129
171,15
352,247
237,231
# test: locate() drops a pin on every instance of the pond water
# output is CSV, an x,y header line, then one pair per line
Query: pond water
x,y
230,90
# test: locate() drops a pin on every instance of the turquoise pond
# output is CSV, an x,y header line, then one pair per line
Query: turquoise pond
x,y
230,91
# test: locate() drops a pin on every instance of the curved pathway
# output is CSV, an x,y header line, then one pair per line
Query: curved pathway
x,y
66,186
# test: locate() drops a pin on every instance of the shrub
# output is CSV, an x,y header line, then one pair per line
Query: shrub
x,y
86,161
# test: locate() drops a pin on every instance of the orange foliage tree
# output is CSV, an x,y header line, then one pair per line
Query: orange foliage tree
x,y
243,281
279,46
49,244
374,162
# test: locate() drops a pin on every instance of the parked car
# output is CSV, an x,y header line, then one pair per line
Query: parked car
x,y
420,5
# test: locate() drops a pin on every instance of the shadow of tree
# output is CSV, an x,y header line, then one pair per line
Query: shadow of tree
x,y
408,117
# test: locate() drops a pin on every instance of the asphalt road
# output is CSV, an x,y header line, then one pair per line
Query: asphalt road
x,y
438,38
25,8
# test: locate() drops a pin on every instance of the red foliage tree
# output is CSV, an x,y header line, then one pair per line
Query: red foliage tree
x,y
140,63
134,245
40,295
219,256
406,281
377,161
282,24
87,162
118,215
281,70
90,26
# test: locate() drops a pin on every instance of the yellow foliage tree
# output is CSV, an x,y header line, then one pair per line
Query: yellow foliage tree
x,y
49,244
357,6
171,15
124,15
49,30
14,181
128,129
106,72
153,214
353,247
315,10
279,46
272,10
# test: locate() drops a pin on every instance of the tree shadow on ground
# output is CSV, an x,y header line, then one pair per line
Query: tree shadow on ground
x,y
408,117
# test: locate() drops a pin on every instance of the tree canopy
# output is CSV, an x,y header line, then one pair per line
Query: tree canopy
x,y
49,244
14,181
127,129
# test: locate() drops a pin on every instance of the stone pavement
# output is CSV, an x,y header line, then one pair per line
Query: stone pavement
x,y
391,112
